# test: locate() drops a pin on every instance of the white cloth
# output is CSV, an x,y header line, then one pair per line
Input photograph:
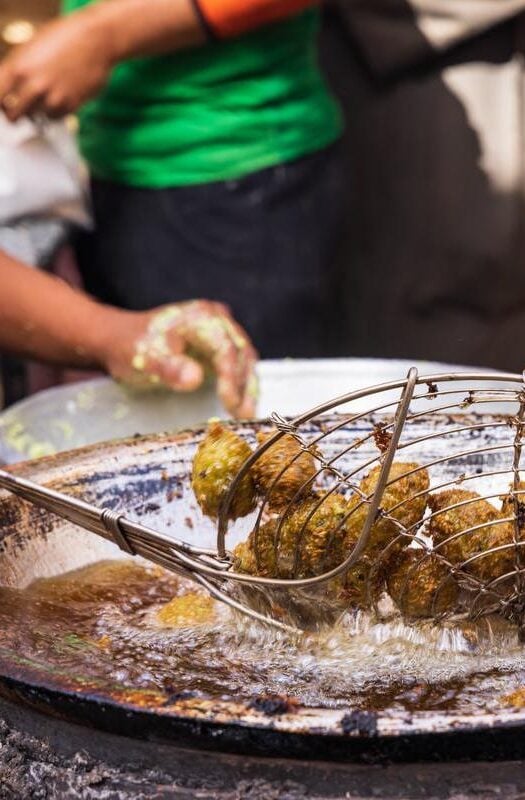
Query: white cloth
x,y
447,22
41,173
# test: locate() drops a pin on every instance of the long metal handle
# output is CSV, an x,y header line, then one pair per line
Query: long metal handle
x,y
134,539
131,537
70,508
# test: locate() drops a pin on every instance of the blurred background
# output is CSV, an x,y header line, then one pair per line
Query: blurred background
x,y
20,18
431,261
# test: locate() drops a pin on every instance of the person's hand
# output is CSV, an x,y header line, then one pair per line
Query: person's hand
x,y
67,63
172,346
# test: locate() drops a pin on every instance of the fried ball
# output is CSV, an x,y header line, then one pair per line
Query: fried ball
x,y
409,513
257,555
300,467
403,486
451,522
217,461
189,609
316,532
508,510
413,580
309,542
363,584
315,537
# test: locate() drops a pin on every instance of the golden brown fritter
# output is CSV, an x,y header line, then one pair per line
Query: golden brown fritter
x,y
300,467
188,609
217,461
314,539
257,555
314,534
412,583
478,512
362,584
244,558
308,543
401,491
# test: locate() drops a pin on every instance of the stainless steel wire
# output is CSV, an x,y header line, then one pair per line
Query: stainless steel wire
x,y
432,424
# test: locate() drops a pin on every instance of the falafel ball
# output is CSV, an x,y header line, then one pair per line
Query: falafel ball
x,y
286,457
312,536
257,555
313,539
413,582
217,461
404,485
363,584
309,541
447,523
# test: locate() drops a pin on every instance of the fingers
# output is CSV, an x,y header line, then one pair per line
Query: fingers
x,y
227,384
57,106
20,94
26,97
250,392
8,92
178,372
58,70
7,79
236,368
182,374
247,381
236,378
23,99
225,344
208,332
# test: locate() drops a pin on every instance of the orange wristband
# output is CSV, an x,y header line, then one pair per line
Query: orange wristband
x,y
227,18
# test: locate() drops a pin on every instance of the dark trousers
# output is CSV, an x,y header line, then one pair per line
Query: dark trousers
x,y
264,244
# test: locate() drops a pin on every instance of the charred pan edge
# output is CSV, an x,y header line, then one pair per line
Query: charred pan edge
x,y
312,734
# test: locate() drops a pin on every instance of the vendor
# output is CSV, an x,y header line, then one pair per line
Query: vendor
x,y
42,317
214,170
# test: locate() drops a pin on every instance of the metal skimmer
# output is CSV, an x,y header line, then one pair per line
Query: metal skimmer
x,y
402,422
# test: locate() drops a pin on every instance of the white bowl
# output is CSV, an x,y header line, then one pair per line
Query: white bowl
x,y
100,410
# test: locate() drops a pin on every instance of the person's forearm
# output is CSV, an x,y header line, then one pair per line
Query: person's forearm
x,y
71,59
151,27
135,28
42,317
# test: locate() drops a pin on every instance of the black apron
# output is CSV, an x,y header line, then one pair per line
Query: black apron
x,y
434,252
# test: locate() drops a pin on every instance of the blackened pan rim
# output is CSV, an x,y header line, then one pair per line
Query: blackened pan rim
x,y
302,721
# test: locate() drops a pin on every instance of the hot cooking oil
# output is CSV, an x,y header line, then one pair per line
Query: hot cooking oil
x,y
118,624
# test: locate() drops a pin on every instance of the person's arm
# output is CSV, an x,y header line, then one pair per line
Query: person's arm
x,y
70,59
44,318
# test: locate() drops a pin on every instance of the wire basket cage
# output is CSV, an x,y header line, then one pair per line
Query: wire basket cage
x,y
419,493
406,493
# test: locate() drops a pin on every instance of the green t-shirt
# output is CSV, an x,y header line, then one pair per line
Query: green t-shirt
x,y
212,113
